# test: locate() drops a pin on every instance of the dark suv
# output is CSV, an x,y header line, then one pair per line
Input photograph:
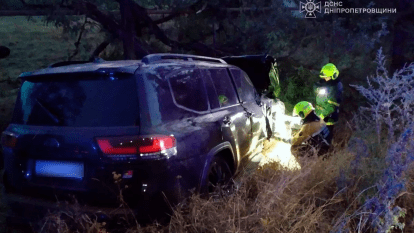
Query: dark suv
x,y
169,124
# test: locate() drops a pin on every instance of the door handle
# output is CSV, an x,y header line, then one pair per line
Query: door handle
x,y
249,114
226,121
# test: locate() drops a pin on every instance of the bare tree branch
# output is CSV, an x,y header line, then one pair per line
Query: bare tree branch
x,y
101,47
142,20
167,18
142,16
110,25
77,43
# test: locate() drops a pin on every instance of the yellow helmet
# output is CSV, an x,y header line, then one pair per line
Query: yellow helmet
x,y
303,109
329,70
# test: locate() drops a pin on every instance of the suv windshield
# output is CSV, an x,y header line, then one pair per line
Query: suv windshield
x,y
77,102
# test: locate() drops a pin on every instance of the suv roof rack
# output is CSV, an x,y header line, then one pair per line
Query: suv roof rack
x,y
163,56
66,63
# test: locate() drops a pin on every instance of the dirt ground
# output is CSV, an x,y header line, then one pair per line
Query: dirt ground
x,y
279,151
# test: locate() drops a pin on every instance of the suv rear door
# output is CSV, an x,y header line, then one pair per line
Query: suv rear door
x,y
227,111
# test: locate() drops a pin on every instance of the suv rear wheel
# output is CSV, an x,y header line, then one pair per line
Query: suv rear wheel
x,y
219,179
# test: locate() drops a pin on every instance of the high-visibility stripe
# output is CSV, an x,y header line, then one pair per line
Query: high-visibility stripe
x,y
334,103
330,123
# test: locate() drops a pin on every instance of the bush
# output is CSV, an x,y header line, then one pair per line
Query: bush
x,y
390,102
298,87
391,99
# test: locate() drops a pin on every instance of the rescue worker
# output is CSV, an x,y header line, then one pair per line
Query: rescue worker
x,y
314,134
328,96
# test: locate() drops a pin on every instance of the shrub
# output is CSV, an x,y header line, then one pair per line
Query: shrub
x,y
390,102
298,87
391,99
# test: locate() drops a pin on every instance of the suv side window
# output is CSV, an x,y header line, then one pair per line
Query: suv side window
x,y
244,86
224,87
211,91
188,90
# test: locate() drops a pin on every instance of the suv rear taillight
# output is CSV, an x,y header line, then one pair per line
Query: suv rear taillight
x,y
8,139
132,147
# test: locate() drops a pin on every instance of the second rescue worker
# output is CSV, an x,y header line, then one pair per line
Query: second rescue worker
x,y
328,95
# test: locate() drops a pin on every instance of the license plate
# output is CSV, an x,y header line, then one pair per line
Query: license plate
x,y
59,169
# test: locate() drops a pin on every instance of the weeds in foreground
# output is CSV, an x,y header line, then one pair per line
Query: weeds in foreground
x,y
274,199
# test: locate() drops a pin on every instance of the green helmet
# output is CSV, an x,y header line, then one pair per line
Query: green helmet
x,y
303,109
329,70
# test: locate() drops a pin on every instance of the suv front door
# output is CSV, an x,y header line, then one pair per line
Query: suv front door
x,y
227,112
250,101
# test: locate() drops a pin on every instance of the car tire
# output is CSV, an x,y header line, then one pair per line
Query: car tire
x,y
219,180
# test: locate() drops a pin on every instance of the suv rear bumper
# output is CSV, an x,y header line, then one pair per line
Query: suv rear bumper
x,y
149,195
23,209
27,209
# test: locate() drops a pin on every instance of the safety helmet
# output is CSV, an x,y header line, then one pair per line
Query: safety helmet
x,y
329,70
303,109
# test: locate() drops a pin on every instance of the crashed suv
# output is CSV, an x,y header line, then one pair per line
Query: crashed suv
x,y
169,124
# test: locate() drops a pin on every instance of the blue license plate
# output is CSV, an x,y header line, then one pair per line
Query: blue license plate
x,y
59,169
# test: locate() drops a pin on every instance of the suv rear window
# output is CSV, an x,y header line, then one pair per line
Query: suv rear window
x,y
77,102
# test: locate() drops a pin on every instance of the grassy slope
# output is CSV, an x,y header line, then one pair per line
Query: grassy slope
x,y
33,46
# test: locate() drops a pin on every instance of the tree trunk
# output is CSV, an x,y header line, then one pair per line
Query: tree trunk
x,y
129,29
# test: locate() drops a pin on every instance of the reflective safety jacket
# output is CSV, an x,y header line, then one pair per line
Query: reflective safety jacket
x,y
316,131
328,99
313,133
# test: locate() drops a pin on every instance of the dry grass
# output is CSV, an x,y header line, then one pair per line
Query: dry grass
x,y
271,199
